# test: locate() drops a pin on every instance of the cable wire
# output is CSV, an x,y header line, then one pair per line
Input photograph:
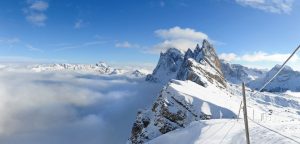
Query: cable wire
x,y
281,68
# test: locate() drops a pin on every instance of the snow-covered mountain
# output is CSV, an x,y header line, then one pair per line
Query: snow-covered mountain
x,y
175,108
202,66
198,97
288,79
236,73
98,68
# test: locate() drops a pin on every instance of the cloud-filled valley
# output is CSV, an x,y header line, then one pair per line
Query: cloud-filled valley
x,y
69,107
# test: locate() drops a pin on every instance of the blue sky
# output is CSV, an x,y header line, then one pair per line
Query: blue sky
x,y
258,33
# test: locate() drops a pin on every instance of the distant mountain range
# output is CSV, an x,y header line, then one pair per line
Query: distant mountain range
x,y
288,79
236,73
98,68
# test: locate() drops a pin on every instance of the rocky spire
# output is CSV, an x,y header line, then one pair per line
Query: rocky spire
x,y
167,67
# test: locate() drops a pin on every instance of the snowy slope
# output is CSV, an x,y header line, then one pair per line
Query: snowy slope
x,y
288,79
237,74
285,117
231,132
182,103
179,104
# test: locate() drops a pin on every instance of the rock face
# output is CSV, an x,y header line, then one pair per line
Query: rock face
x,y
288,79
237,74
167,67
201,66
173,109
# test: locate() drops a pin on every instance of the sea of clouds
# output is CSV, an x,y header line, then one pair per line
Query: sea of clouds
x,y
70,108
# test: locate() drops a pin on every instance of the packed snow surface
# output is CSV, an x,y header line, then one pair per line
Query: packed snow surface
x,y
278,112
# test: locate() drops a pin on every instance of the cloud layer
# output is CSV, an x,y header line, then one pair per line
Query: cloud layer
x,y
70,108
273,6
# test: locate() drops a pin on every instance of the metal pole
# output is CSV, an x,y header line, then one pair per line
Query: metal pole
x,y
245,115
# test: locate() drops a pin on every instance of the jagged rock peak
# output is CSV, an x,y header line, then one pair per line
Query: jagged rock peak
x,y
208,53
167,67
194,66
202,66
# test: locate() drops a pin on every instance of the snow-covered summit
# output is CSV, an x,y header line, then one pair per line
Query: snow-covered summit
x,y
167,67
287,79
200,66
207,53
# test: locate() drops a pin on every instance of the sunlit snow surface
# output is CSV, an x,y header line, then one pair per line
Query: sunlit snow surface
x,y
70,108
276,111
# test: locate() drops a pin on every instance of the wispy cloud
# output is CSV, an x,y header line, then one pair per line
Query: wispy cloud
x,y
126,44
9,41
273,6
261,59
82,45
35,12
32,48
258,57
177,37
79,24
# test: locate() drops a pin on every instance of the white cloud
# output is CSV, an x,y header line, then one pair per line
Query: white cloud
x,y
35,12
258,57
70,108
177,37
261,59
39,6
273,6
262,56
126,44
180,33
228,56
181,44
